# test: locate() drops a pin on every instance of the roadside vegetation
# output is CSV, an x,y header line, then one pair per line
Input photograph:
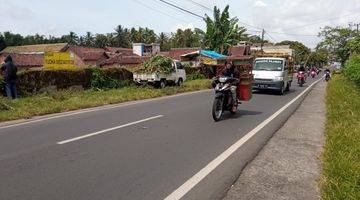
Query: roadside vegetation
x,y
341,156
67,100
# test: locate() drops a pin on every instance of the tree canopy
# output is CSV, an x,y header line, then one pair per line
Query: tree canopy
x,y
222,31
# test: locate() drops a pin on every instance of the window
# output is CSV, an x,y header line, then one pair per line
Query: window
x,y
268,65
179,65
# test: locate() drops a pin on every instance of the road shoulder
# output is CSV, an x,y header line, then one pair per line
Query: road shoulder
x,y
288,167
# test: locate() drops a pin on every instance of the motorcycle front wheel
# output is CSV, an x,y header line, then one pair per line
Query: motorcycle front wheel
x,y
217,110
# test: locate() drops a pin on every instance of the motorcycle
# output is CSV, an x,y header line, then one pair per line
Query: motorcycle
x,y
327,76
223,97
313,74
301,78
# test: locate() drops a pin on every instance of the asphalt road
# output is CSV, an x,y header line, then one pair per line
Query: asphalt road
x,y
139,151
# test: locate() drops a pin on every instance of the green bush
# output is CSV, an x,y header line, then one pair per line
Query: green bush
x,y
352,69
195,76
35,81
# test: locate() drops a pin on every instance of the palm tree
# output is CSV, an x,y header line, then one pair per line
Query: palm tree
x,y
89,39
222,31
72,38
164,42
121,35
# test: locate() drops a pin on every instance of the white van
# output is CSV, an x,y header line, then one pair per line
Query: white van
x,y
272,73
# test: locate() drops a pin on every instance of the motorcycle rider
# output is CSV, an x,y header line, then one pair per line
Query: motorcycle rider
x,y
301,69
327,71
231,71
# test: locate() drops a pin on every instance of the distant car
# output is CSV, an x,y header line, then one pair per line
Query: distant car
x,y
272,73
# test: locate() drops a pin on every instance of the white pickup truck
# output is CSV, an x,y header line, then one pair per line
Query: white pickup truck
x,y
177,77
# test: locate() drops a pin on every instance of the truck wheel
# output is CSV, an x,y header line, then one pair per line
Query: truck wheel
x,y
162,84
282,90
180,81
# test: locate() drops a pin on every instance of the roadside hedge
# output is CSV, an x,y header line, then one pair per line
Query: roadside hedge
x,y
201,72
36,81
352,69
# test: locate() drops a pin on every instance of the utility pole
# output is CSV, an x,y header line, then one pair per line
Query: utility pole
x,y
262,39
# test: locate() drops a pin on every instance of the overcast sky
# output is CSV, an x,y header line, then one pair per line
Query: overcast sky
x,y
282,19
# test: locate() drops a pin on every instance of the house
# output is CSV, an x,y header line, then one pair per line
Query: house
x,y
87,56
118,50
257,46
142,49
39,48
25,61
31,56
202,56
240,50
176,53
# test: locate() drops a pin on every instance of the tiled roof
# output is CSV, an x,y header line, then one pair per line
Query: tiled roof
x,y
123,51
164,53
25,60
177,53
239,50
124,60
41,48
88,53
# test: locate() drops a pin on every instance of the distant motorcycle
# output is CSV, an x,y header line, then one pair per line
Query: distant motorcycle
x,y
313,74
301,78
327,76
223,98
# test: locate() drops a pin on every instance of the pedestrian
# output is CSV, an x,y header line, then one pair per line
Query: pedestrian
x,y
9,71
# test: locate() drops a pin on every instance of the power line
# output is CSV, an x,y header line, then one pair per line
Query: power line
x,y
272,38
159,11
294,34
201,5
321,21
182,9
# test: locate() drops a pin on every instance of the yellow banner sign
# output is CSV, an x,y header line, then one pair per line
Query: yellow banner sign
x,y
59,61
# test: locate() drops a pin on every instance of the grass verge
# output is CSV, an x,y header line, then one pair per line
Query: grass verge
x,y
341,157
62,101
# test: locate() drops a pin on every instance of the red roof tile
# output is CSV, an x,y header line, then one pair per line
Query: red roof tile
x,y
123,51
124,60
25,60
176,53
239,51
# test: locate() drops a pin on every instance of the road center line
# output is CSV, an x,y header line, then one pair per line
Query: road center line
x,y
199,176
107,130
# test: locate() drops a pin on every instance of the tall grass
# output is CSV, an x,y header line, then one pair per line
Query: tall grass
x,y
341,157
68,100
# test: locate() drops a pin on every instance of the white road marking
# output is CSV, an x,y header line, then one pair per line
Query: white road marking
x,y
107,130
199,176
101,108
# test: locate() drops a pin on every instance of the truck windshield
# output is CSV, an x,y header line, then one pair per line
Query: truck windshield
x,y
268,65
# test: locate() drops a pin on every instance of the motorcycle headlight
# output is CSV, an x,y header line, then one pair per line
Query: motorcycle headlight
x,y
279,78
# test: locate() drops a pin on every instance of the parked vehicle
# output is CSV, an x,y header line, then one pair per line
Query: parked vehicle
x,y
223,98
301,78
177,77
327,76
273,73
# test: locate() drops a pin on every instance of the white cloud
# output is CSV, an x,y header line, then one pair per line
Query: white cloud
x,y
304,17
10,11
182,26
259,3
